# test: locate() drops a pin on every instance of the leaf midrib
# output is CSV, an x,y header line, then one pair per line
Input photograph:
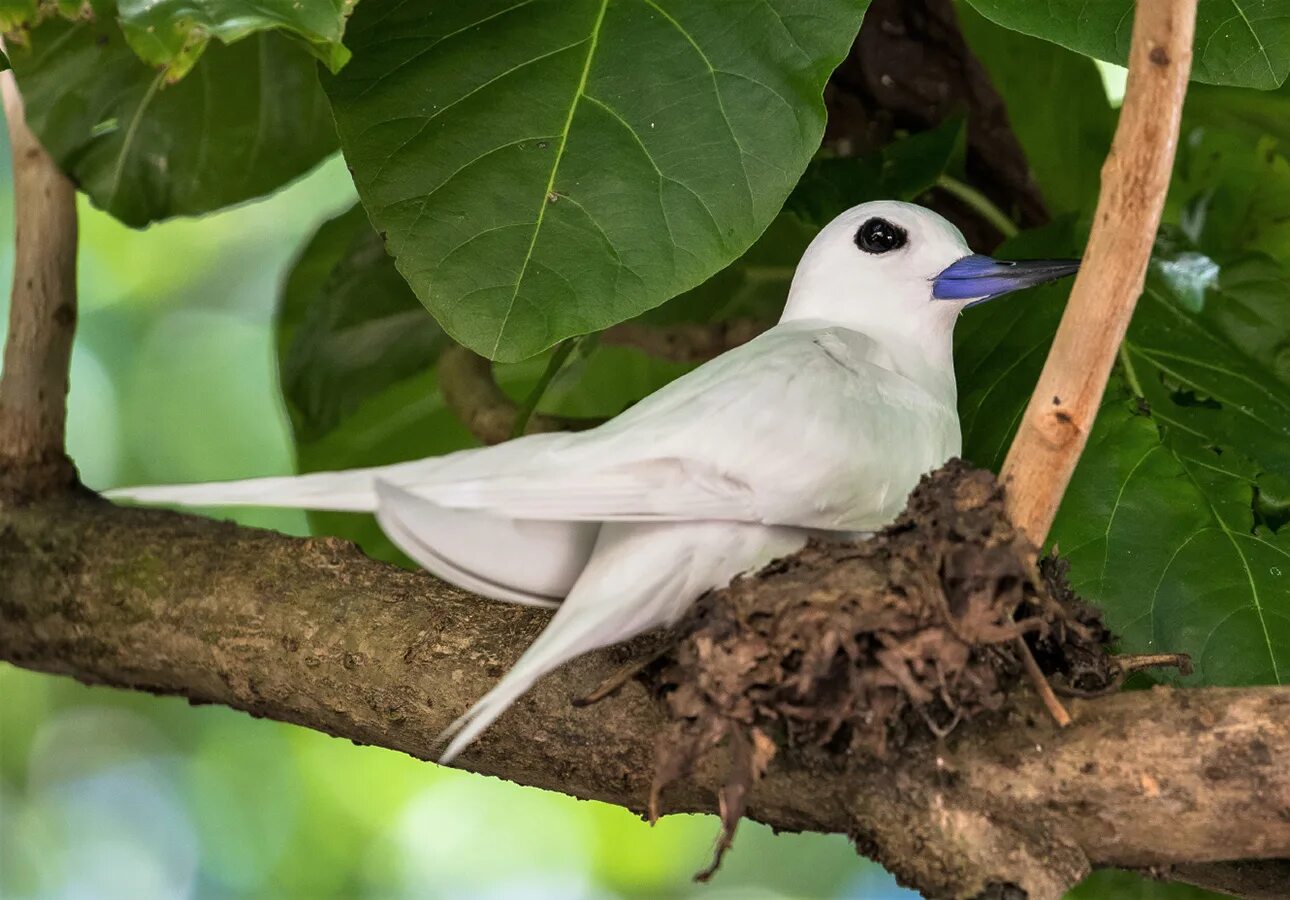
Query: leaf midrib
x,y
593,40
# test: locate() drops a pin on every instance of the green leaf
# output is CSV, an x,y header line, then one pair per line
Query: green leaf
x,y
1195,372
1232,178
173,33
1057,106
1238,42
1161,532
4,62
249,118
546,169
1122,885
1175,520
351,333
356,358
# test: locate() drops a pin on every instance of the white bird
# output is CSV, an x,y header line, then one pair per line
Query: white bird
x,y
824,423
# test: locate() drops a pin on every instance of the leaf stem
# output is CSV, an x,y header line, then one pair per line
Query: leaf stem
x,y
1130,373
553,367
980,203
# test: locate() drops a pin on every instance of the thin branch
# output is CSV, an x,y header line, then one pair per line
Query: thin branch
x,y
311,632
42,315
1135,179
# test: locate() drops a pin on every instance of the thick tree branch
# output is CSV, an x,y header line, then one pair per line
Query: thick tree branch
x,y
1135,179
311,632
42,315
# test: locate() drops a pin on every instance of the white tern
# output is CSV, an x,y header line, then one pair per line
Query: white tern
x,y
823,424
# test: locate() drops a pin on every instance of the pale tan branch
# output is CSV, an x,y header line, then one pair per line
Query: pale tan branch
x,y
42,315
1135,179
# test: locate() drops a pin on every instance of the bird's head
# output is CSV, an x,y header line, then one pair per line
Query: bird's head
x,y
889,267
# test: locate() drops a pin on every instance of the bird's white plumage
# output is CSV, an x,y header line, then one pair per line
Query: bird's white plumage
x,y
824,422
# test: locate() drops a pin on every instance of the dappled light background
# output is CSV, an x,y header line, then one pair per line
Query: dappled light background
x,y
107,794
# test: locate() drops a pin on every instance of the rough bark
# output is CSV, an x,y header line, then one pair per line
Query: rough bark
x,y
311,632
42,315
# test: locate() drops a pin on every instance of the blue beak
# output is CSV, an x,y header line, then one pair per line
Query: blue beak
x,y
981,278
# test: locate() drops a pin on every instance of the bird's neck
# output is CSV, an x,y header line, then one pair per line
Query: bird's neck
x,y
920,348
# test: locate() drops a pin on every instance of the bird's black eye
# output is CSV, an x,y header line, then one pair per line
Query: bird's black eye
x,y
880,236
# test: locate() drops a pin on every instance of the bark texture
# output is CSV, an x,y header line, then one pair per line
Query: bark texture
x,y
311,632
42,315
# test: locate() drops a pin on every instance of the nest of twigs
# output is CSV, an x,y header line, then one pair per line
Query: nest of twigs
x,y
848,650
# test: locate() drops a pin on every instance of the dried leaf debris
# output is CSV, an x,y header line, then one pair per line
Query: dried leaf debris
x,y
850,650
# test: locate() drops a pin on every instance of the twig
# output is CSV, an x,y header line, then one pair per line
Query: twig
x,y
1041,685
42,316
1135,179
1136,662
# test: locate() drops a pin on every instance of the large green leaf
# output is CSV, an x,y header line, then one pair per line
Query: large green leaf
x,y
1161,531
1193,368
546,168
1239,42
356,358
173,33
249,118
351,333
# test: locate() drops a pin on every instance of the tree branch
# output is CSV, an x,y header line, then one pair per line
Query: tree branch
x,y
311,632
42,316
1135,179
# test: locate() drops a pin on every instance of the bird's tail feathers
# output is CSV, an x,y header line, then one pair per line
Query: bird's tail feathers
x,y
350,491
585,622
640,576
